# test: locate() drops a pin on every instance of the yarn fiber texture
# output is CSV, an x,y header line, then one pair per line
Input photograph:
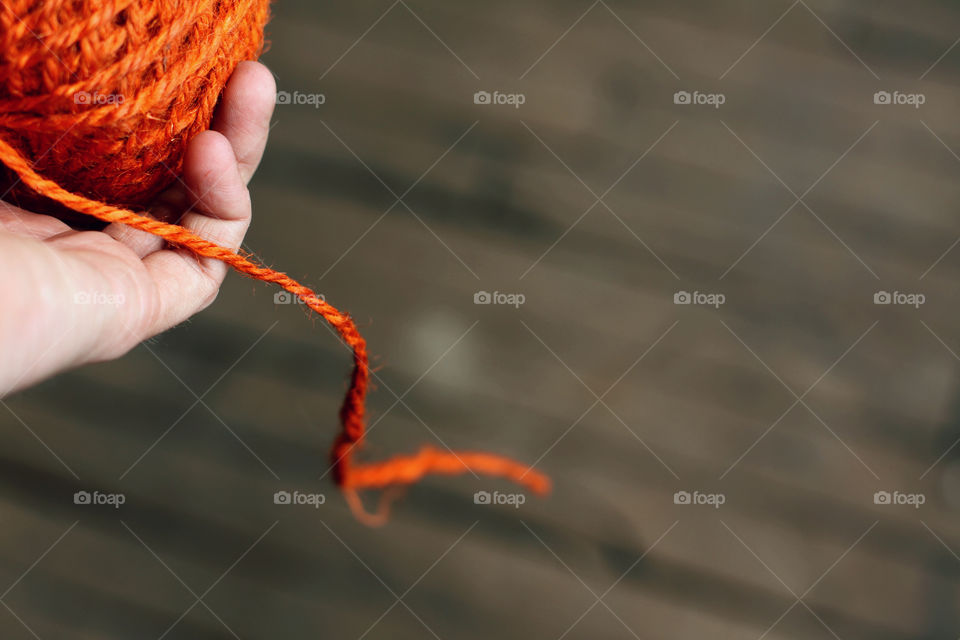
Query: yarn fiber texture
x,y
102,96
98,100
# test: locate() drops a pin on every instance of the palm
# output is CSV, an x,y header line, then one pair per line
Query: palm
x,y
83,267
93,295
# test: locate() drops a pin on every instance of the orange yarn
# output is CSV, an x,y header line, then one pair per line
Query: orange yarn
x,y
168,61
103,95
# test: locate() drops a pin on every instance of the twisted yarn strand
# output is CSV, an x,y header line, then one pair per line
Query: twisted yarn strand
x,y
350,476
98,101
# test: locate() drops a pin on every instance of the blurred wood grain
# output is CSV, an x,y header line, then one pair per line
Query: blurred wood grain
x,y
598,199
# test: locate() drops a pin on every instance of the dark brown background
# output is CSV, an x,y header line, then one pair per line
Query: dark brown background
x,y
799,549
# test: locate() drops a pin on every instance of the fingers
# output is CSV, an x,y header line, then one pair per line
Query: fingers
x,y
168,206
173,284
220,213
218,165
244,114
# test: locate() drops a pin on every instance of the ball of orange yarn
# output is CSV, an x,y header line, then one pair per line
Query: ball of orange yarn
x,y
102,96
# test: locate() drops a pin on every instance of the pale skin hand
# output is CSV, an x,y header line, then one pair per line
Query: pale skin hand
x,y
69,298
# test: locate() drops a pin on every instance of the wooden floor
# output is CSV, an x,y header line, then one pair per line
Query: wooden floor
x,y
598,199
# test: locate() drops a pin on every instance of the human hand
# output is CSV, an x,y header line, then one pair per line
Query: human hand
x,y
71,297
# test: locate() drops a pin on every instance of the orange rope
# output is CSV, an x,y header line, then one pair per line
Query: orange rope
x,y
350,476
